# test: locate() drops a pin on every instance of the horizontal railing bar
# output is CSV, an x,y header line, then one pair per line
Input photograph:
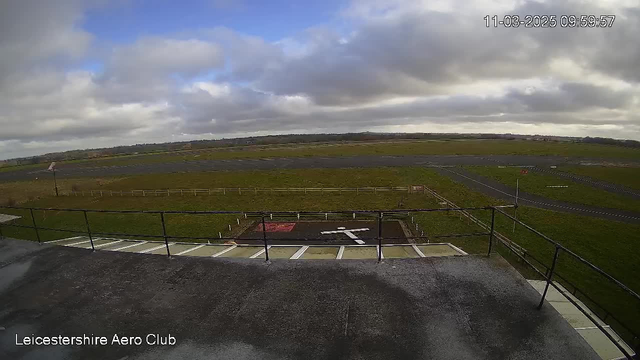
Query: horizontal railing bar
x,y
390,211
58,229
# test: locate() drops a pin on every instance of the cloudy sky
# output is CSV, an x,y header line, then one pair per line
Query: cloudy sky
x,y
84,74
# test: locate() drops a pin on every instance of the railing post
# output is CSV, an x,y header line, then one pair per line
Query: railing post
x,y
35,227
550,277
379,236
493,221
86,221
1,235
164,234
264,238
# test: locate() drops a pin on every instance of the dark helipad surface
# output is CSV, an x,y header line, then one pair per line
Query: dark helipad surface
x,y
310,232
426,308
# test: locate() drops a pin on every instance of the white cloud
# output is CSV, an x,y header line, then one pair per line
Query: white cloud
x,y
389,64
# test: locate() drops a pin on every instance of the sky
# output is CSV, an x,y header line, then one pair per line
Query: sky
x,y
87,74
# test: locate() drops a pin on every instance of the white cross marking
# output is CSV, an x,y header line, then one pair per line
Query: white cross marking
x,y
349,233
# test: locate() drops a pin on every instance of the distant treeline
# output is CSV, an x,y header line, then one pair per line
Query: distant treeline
x,y
296,139
606,141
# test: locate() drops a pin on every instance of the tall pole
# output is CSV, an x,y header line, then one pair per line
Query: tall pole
x,y
55,183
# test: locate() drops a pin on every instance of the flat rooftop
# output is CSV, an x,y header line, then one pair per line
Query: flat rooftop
x,y
462,307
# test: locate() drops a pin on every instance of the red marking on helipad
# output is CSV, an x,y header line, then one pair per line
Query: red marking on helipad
x,y
276,227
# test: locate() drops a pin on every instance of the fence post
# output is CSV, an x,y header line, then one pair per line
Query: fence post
x,y
164,234
379,236
264,237
35,227
553,266
1,235
493,220
86,221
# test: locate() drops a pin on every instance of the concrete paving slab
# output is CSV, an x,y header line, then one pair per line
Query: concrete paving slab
x,y
71,240
96,242
360,252
572,314
119,245
321,252
208,250
242,252
425,308
437,250
601,344
399,252
178,248
281,252
552,293
141,247
162,250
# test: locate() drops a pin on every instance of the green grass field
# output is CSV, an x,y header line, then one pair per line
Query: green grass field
x,y
609,245
424,147
626,176
536,183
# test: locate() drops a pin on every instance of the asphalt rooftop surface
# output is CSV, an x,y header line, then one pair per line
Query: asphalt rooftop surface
x,y
429,308
75,170
498,190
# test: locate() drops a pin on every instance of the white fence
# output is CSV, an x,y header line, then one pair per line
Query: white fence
x,y
240,191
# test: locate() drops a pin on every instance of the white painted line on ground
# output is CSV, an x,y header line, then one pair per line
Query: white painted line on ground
x,y
299,253
457,249
107,244
128,246
224,251
190,250
417,250
77,243
340,253
71,238
259,253
153,248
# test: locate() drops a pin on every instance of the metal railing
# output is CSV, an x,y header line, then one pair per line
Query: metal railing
x,y
379,216
240,191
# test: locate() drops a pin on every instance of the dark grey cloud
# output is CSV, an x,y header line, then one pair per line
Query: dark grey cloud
x,y
571,97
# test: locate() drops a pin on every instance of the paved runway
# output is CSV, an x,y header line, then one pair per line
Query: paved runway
x,y
75,170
